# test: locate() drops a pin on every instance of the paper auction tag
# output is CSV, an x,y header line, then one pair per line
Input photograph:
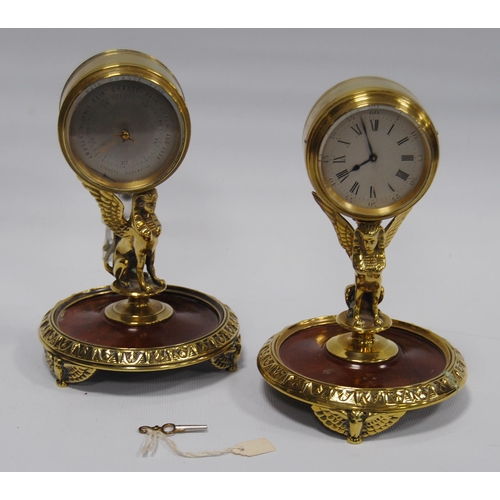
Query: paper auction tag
x,y
254,447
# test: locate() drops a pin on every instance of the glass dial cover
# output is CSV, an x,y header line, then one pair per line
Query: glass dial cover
x,y
123,123
371,150
373,157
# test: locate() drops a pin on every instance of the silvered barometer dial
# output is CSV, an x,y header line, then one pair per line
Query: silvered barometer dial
x,y
124,130
123,123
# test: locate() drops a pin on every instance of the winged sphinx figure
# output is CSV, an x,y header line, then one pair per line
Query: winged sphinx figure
x,y
365,246
133,242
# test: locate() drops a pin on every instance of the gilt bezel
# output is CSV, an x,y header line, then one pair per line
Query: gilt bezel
x,y
105,67
355,95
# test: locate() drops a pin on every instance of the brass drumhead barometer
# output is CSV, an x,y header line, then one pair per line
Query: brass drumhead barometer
x,y
124,128
371,153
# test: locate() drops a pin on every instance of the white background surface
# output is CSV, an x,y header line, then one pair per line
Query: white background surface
x,y
239,223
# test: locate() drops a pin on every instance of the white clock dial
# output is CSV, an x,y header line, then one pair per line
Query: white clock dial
x,y
373,157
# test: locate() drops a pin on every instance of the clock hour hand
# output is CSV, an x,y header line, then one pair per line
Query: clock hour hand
x,y
373,158
358,166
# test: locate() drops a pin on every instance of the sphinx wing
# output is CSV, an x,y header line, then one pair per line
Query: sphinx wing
x,y
393,226
345,232
111,209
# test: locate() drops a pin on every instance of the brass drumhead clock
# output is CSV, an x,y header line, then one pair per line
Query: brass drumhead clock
x,y
371,153
124,128
371,150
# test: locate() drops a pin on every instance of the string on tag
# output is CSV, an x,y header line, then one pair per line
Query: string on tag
x,y
156,433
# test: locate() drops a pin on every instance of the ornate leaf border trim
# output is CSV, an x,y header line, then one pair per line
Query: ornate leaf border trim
x,y
119,359
316,392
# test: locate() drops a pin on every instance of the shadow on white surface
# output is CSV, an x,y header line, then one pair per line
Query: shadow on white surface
x,y
166,382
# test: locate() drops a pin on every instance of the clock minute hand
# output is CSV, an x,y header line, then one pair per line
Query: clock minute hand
x,y
366,135
373,156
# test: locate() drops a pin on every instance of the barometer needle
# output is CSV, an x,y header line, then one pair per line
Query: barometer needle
x,y
106,146
125,136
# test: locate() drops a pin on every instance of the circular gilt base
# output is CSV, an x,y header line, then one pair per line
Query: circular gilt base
x,y
361,399
79,338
